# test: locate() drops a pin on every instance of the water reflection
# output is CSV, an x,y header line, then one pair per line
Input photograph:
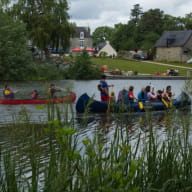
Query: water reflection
x,y
34,139
132,123
79,87
18,138
142,121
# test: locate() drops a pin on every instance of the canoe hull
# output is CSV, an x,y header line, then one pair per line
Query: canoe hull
x,y
65,99
85,103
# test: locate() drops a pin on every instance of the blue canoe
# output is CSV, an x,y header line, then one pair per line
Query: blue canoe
x,y
86,103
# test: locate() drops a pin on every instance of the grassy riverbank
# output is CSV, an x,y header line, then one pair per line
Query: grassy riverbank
x,y
96,162
139,66
80,68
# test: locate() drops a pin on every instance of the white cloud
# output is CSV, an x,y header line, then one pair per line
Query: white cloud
x,y
96,13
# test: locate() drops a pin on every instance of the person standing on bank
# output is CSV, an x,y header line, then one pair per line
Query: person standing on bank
x,y
104,88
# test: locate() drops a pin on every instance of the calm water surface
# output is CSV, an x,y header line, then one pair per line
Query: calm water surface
x,y
104,125
39,114
25,89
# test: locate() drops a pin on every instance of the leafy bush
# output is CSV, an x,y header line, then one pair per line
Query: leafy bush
x,y
123,54
103,54
82,68
46,72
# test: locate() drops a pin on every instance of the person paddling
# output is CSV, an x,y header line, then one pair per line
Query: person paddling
x,y
34,95
131,95
52,90
151,96
8,93
104,88
142,95
168,95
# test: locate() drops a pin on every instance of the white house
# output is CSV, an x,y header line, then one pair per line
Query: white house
x,y
106,47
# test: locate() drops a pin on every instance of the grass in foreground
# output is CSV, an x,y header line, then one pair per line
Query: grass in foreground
x,y
92,165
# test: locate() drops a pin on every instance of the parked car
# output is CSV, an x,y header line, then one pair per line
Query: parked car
x,y
139,57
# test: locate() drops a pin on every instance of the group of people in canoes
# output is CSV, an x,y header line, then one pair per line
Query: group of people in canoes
x,y
8,93
127,95
148,93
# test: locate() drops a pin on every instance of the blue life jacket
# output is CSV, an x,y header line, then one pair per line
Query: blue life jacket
x,y
104,85
126,98
142,96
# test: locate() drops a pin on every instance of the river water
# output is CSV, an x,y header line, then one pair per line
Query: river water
x,y
25,89
38,114
11,138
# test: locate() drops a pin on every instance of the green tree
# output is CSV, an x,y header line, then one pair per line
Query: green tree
x,y
101,34
124,37
152,21
188,21
15,58
118,36
172,23
83,68
128,36
46,22
149,40
136,13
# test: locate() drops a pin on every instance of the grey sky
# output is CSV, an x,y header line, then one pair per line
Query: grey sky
x,y
96,13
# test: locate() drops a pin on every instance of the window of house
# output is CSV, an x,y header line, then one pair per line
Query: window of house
x,y
170,42
81,35
81,43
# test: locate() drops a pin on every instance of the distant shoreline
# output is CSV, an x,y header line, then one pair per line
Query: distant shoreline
x,y
147,77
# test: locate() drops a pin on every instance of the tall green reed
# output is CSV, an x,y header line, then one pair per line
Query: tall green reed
x,y
152,163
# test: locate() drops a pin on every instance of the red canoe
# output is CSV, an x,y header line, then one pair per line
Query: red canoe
x,y
65,99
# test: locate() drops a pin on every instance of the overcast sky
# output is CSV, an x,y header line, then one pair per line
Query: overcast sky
x,y
97,13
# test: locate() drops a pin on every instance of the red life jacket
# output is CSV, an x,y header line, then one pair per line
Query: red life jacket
x,y
34,95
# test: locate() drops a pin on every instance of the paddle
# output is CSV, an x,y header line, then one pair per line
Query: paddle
x,y
62,89
165,103
141,107
16,91
108,108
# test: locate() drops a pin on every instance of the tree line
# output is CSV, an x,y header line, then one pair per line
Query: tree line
x,y
45,23
142,30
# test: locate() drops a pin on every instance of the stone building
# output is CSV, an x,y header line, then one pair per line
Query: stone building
x,y
81,39
174,46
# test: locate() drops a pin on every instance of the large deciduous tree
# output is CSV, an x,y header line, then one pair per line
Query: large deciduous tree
x,y
172,23
188,20
123,37
15,58
152,21
101,34
46,21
